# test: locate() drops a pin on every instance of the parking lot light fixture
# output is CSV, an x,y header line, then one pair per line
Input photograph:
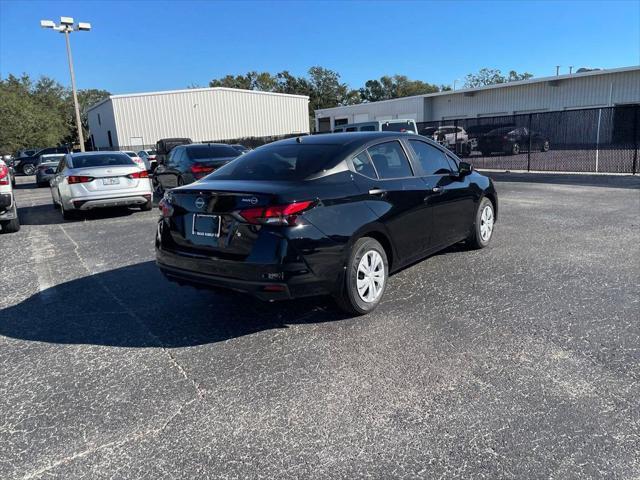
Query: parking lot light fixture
x,y
67,26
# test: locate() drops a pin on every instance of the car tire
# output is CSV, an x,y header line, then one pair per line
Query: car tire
x,y
147,206
29,169
364,286
11,226
545,146
483,226
67,214
515,149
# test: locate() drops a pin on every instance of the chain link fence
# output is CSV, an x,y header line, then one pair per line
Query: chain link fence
x,y
598,140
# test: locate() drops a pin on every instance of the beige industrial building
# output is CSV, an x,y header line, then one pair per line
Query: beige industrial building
x,y
202,114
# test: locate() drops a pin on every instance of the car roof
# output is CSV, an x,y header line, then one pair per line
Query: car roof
x,y
344,139
100,152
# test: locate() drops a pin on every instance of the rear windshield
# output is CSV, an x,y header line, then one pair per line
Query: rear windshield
x,y
131,154
205,152
280,162
101,160
398,127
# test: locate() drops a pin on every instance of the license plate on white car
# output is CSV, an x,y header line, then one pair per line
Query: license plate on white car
x,y
206,225
110,181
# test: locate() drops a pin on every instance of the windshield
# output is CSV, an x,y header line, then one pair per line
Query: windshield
x,y
280,162
398,127
101,160
204,152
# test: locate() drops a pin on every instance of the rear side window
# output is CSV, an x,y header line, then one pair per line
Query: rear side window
x,y
398,127
280,162
368,128
390,160
206,152
350,129
101,160
362,164
431,159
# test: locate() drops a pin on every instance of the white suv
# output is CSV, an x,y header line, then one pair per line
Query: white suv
x,y
8,211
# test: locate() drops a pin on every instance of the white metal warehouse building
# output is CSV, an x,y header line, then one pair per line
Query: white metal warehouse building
x,y
202,114
593,89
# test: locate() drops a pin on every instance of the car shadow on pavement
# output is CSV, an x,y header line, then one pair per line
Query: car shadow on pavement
x,y
135,306
47,215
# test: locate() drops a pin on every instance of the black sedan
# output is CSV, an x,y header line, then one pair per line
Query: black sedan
x,y
188,163
512,140
326,214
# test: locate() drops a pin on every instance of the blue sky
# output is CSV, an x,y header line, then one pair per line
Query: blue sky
x,y
152,45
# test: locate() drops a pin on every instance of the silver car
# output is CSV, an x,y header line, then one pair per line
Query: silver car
x,y
84,181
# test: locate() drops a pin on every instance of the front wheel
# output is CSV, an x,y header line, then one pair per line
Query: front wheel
x,y
483,226
365,278
515,149
29,169
545,146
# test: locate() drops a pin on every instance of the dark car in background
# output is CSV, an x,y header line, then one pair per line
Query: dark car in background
x,y
324,214
28,165
240,148
512,141
47,168
188,163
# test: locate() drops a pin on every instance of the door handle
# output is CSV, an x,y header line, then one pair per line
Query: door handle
x,y
436,189
378,191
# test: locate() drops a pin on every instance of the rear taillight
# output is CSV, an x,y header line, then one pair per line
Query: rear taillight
x,y
4,175
166,209
141,174
198,168
276,214
79,179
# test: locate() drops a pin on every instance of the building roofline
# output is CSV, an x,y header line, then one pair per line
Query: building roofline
x,y
497,85
194,90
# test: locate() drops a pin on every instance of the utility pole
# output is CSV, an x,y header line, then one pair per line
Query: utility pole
x,y
66,26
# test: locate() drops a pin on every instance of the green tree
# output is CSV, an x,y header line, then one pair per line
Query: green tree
x,y
492,76
397,86
32,113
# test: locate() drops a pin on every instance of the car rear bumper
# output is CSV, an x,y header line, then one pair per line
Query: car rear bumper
x,y
268,291
124,201
266,281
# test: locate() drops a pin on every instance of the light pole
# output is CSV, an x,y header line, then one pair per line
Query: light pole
x,y
66,26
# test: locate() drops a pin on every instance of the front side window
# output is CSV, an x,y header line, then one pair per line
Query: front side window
x,y
431,159
390,160
362,164
368,128
281,162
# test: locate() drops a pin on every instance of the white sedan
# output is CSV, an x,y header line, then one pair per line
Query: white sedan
x,y
84,181
136,158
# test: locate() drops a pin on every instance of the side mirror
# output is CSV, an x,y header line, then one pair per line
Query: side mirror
x,y
464,168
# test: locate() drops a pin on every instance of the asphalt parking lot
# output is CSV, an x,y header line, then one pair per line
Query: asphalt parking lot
x,y
518,361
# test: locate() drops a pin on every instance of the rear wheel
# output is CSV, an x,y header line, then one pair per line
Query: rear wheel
x,y
29,169
11,226
147,206
545,146
483,227
515,149
67,214
365,278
